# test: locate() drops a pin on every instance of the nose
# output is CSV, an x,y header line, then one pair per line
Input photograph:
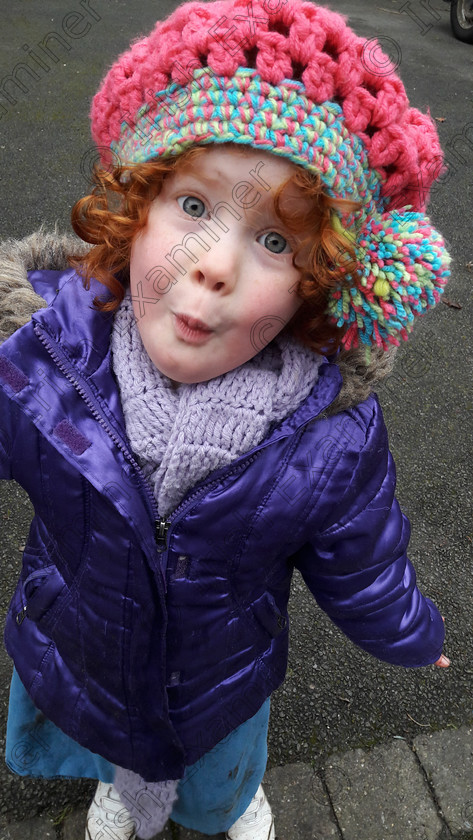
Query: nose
x,y
217,268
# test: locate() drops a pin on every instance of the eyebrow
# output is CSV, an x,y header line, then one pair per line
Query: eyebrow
x,y
200,176
216,180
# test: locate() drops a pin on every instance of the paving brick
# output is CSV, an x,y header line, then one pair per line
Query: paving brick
x,y
382,795
74,826
39,828
300,804
447,758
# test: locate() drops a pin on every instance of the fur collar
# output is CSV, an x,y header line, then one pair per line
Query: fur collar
x,y
48,250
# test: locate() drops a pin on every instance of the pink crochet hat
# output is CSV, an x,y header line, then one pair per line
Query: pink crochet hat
x,y
291,78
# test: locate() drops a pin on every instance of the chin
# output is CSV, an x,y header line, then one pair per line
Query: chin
x,y
192,379
182,372
183,377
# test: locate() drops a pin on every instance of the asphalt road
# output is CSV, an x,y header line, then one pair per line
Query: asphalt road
x,y
335,696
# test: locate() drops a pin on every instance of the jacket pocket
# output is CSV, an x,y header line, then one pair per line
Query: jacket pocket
x,y
42,596
266,613
41,589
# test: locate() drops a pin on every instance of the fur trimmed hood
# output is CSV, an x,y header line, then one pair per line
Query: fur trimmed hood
x,y
49,250
42,250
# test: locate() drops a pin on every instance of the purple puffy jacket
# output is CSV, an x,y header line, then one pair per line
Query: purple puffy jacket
x,y
149,640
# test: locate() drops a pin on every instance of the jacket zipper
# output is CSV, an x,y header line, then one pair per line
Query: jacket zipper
x,y
67,370
162,524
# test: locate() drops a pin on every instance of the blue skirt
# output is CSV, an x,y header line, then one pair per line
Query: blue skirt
x,y
213,793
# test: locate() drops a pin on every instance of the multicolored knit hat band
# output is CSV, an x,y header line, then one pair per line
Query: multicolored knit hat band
x,y
290,78
247,110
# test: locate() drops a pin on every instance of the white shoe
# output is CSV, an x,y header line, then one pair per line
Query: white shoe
x,y
257,823
107,818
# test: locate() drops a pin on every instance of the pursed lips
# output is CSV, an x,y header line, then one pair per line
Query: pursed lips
x,y
192,330
194,323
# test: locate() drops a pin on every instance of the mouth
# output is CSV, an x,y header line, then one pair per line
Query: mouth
x,y
192,330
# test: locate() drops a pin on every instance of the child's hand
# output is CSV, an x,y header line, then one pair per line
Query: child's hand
x,y
444,661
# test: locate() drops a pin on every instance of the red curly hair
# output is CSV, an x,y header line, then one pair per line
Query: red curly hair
x,y
116,211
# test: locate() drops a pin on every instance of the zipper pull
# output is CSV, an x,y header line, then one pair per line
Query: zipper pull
x,y
161,529
20,617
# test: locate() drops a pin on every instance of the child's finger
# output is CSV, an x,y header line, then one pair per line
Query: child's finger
x,y
443,662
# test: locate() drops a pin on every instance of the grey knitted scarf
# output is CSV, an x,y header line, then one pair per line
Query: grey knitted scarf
x,y
182,433
179,435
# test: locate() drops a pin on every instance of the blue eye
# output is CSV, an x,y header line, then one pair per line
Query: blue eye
x,y
195,207
192,205
275,242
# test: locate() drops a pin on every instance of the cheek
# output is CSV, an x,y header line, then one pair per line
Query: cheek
x,y
150,274
141,280
278,297
289,299
265,317
143,255
136,266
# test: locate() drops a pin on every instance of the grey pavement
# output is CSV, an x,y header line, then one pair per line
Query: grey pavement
x,y
391,748
414,791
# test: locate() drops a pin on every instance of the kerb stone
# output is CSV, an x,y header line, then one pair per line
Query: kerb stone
x,y
382,795
447,758
300,804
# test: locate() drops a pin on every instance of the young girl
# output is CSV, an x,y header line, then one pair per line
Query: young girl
x,y
192,413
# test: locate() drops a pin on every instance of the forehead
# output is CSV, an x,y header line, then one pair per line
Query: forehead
x,y
236,168
227,163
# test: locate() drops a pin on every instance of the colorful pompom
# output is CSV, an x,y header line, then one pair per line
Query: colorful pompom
x,y
403,267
